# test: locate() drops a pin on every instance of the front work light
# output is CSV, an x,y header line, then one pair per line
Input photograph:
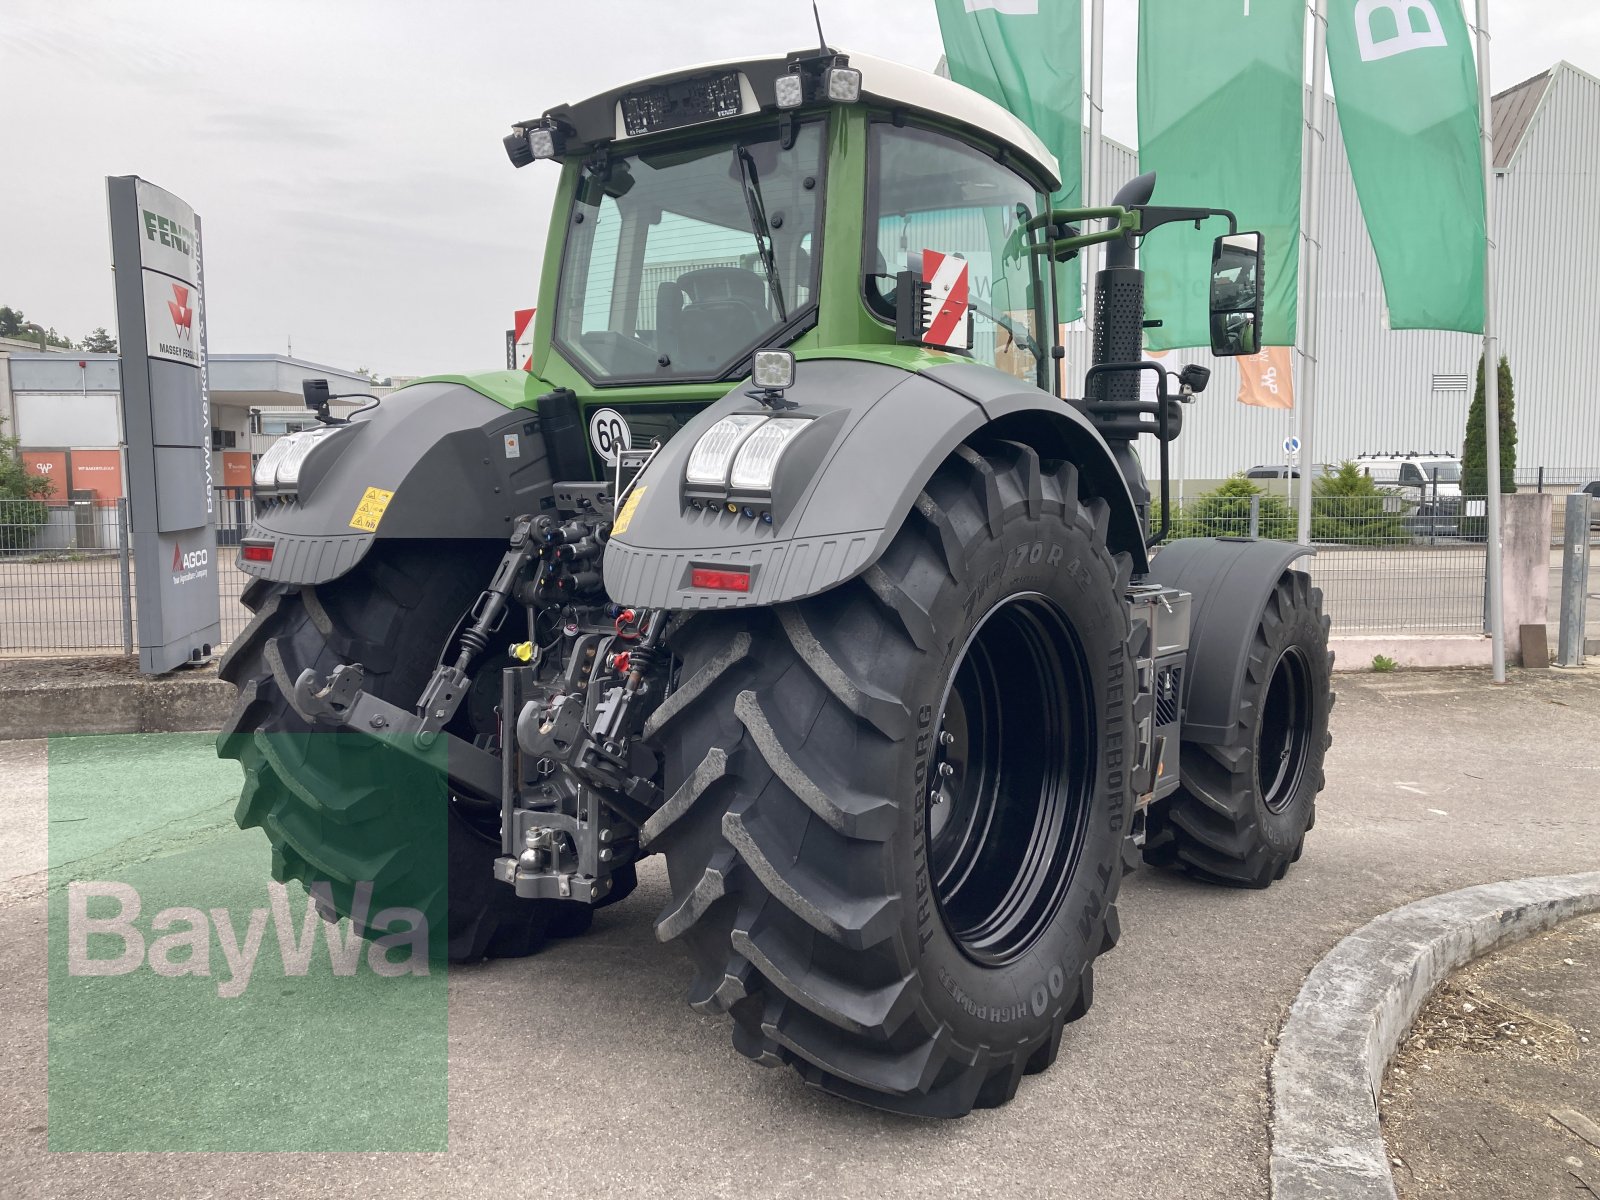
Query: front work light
x,y
543,143
517,150
791,91
757,461
772,370
713,453
844,84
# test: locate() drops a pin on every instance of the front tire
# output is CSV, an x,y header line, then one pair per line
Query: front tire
x,y
905,935
1242,811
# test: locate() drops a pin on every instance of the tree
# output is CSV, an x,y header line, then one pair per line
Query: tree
x,y
11,321
22,510
1475,453
100,342
1225,512
1347,506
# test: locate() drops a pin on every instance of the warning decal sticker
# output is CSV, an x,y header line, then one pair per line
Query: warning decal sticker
x,y
370,511
629,506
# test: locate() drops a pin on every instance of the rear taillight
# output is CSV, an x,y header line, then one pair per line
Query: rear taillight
x,y
256,553
719,580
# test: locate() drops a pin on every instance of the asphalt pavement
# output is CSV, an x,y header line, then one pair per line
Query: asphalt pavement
x,y
581,1071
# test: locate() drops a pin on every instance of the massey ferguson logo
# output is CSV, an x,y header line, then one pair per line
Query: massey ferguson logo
x,y
182,314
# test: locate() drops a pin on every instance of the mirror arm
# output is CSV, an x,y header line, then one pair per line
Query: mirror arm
x,y
1127,221
1153,217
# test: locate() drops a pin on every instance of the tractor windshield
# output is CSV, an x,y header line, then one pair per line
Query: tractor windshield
x,y
680,263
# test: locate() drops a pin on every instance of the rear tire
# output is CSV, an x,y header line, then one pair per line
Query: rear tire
x,y
1242,812
893,956
339,808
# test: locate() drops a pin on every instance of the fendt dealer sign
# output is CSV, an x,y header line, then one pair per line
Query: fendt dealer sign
x,y
155,247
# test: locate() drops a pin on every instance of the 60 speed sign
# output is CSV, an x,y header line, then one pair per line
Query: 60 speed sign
x,y
609,434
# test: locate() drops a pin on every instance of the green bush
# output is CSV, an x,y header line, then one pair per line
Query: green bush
x,y
1348,507
1225,512
22,511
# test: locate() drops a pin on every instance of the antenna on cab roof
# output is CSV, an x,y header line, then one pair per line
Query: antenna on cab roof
x,y
822,41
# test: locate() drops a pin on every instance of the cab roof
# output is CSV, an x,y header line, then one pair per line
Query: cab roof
x,y
599,119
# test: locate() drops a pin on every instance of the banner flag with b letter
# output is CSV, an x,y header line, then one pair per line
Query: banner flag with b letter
x,y
1220,123
1407,95
1027,56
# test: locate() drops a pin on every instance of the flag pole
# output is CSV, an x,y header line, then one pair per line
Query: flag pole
x,y
1491,360
1094,183
1311,226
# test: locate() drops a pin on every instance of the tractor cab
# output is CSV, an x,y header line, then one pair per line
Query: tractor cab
x,y
778,202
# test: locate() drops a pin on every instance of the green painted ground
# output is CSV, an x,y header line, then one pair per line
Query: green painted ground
x,y
183,1051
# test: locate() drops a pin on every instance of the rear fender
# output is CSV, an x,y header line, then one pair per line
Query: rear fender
x,y
845,485
1230,580
454,464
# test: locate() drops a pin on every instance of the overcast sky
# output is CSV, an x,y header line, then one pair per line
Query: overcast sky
x,y
345,155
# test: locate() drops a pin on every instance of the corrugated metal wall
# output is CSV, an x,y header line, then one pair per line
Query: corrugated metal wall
x,y
1383,389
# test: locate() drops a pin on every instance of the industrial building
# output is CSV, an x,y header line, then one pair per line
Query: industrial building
x,y
64,407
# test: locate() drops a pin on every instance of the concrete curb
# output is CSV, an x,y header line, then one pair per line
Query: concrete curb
x,y
115,706
1355,1009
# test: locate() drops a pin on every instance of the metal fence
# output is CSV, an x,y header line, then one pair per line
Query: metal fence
x,y
67,579
68,585
66,582
1383,562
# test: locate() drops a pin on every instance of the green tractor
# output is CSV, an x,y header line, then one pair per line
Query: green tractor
x,y
785,561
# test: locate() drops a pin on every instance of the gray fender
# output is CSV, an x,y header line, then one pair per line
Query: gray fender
x,y
1230,580
845,485
444,451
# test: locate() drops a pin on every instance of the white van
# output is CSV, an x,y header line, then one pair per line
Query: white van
x,y
1424,476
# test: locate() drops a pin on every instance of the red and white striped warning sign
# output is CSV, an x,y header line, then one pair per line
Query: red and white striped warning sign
x,y
945,309
522,338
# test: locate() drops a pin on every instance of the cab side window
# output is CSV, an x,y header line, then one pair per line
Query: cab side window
x,y
928,191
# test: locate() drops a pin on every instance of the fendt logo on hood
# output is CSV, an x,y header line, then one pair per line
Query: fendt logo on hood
x,y
182,313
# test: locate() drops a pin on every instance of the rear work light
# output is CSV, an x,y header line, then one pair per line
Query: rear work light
x,y
257,553
718,580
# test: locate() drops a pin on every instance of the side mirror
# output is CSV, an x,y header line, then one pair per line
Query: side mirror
x,y
1237,295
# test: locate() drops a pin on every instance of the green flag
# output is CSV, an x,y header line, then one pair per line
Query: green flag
x,y
1408,105
1027,56
1221,110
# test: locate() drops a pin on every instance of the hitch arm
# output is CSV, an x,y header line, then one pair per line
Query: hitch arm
x,y
340,701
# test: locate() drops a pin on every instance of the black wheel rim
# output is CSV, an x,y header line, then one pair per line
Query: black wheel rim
x,y
1013,771
1285,731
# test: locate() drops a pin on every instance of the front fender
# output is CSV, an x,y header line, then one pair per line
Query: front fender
x,y
1230,580
845,486
455,463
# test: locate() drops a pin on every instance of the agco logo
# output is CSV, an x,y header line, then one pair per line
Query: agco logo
x,y
191,561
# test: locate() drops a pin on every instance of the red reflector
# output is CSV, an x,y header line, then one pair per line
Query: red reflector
x,y
722,581
256,553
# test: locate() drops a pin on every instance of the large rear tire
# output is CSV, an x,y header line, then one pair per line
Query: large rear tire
x,y
1241,814
342,809
896,810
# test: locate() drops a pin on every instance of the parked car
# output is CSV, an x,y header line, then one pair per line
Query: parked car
x,y
1593,488
1280,471
1424,476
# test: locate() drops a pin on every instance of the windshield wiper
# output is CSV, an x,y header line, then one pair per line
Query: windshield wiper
x,y
758,225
